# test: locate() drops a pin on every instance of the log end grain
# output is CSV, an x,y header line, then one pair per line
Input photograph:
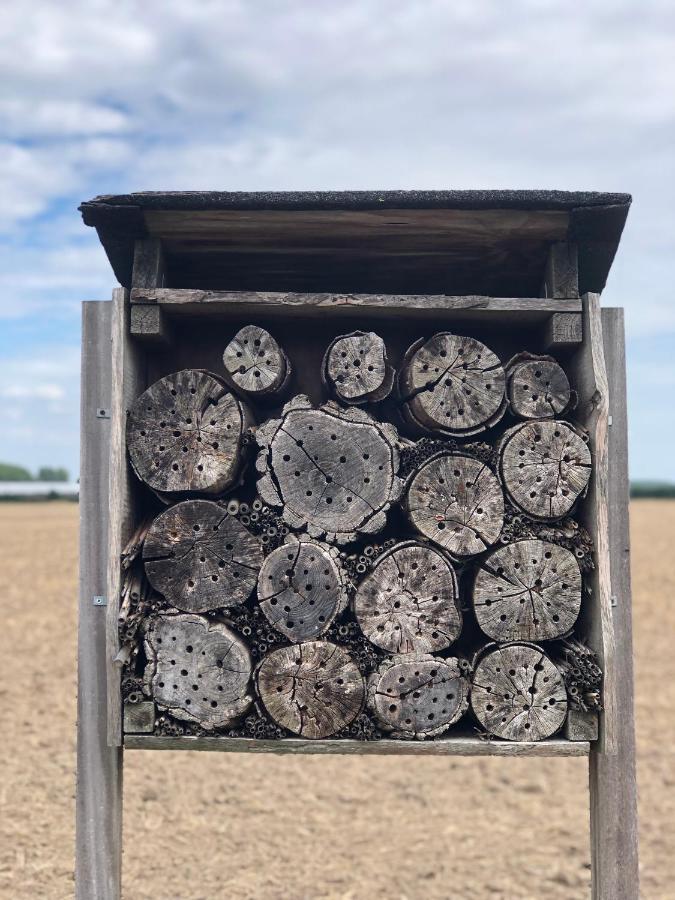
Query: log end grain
x,y
537,387
255,363
356,370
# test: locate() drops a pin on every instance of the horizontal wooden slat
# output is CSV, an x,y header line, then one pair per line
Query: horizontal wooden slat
x,y
459,746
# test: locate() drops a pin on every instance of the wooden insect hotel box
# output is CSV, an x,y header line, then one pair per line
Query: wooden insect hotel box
x,y
356,471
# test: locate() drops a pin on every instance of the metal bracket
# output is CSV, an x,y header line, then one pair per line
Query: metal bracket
x,y
609,420
98,600
102,413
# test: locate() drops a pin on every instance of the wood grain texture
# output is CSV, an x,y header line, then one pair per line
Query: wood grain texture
x,y
148,322
355,368
149,269
561,277
255,363
139,717
581,725
98,807
563,330
537,387
614,820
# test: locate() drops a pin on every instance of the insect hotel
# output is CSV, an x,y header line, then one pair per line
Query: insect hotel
x,y
354,480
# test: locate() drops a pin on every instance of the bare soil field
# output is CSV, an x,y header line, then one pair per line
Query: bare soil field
x,y
209,826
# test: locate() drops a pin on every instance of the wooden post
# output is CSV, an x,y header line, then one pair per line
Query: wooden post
x,y
614,837
98,866
147,321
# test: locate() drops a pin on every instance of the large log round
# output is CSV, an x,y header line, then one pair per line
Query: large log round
x,y
537,387
301,588
184,434
518,694
529,590
198,670
255,363
356,370
452,385
457,502
312,689
332,470
545,466
200,558
417,695
410,602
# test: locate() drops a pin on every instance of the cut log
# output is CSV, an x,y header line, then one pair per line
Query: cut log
x,y
355,368
529,591
184,434
255,363
417,695
301,588
517,693
452,385
409,601
537,387
457,502
545,466
312,689
198,670
333,470
200,558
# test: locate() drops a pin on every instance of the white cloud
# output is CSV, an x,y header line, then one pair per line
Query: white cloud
x,y
33,392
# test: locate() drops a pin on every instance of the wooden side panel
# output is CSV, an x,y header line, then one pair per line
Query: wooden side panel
x,y
128,380
99,767
614,825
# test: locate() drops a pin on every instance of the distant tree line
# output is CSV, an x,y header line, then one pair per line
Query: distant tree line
x,y
652,489
11,472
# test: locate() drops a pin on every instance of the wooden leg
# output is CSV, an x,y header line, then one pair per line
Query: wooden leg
x,y
614,835
98,863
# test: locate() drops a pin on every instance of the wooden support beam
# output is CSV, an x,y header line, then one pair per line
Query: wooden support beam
x,y
581,725
149,323
139,718
149,270
563,330
561,275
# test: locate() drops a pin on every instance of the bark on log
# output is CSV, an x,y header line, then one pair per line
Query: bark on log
x,y
184,434
457,502
537,387
417,695
452,385
333,470
255,363
198,670
200,558
529,591
545,466
517,693
409,601
312,689
355,368
301,588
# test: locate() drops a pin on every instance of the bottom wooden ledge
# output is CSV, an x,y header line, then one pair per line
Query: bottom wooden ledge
x,y
457,746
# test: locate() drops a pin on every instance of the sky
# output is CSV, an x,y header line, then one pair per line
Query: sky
x,y
110,97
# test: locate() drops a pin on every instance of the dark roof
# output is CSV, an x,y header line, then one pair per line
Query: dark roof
x,y
242,235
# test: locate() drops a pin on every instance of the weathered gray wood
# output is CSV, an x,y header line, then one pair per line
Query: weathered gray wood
x,y
529,590
410,601
149,266
536,387
139,718
451,385
517,693
255,363
457,502
416,695
148,322
561,277
184,434
302,588
198,669
200,558
98,838
545,466
581,725
450,745
312,689
355,368
614,822
333,470
563,330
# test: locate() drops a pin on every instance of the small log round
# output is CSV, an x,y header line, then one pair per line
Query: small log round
x,y
452,385
198,670
184,434
200,558
518,694
537,387
333,470
312,689
301,588
457,502
417,695
529,590
409,601
255,363
545,466
355,368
